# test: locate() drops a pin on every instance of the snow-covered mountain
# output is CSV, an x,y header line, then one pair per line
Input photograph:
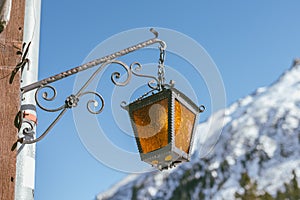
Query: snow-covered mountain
x,y
257,154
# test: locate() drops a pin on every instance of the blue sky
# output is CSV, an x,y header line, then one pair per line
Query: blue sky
x,y
251,42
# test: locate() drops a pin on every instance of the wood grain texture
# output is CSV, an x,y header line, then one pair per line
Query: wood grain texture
x,y
10,43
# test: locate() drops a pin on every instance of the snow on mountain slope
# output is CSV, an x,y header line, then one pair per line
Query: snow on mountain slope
x,y
260,136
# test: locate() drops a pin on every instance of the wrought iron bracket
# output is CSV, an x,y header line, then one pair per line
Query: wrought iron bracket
x,y
72,100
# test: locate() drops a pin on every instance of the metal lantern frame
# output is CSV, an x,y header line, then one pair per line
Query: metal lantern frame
x,y
169,155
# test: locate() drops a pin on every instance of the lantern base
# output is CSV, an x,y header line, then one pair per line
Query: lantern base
x,y
165,158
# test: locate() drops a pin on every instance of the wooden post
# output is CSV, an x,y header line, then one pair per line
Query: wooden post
x,y
10,42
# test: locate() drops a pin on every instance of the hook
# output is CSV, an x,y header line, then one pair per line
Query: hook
x,y
201,108
152,30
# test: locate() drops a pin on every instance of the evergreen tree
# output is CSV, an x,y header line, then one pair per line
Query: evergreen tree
x,y
250,190
292,190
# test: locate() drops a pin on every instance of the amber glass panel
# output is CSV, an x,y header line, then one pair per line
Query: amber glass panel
x,y
151,124
184,123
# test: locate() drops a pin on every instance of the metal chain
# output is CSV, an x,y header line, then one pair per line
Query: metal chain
x,y
161,68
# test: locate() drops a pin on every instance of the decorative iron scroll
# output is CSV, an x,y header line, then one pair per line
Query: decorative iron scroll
x,y
72,100
135,67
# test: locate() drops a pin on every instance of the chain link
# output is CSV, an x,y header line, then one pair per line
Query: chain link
x,y
161,68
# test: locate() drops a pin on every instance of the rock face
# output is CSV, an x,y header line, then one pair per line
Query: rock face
x,y
257,155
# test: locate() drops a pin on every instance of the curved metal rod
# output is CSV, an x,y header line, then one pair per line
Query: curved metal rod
x,y
117,75
161,42
24,141
28,131
95,102
72,100
46,98
201,108
153,87
114,75
139,68
124,105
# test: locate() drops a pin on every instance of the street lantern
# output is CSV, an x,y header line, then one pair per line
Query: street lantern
x,y
164,122
164,126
